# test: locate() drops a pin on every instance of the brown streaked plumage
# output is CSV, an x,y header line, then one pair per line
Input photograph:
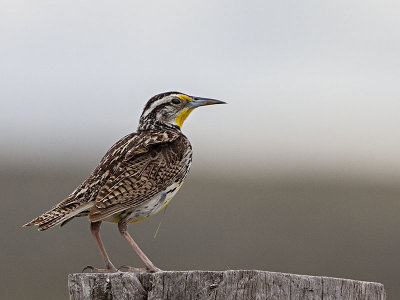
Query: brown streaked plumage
x,y
138,175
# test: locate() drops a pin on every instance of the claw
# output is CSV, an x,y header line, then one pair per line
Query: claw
x,y
123,267
91,268
153,270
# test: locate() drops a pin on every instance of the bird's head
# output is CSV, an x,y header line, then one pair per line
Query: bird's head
x,y
171,109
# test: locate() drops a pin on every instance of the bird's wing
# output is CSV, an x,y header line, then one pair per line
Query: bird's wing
x,y
148,164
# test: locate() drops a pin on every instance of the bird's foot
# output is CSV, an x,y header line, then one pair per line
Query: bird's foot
x,y
92,269
139,270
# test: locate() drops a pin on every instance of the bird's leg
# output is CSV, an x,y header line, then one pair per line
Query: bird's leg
x,y
122,226
95,229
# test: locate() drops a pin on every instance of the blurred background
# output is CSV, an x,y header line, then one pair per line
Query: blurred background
x,y
299,173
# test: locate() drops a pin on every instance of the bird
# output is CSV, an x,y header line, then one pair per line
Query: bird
x,y
137,177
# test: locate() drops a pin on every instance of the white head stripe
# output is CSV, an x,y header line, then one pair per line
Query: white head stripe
x,y
157,103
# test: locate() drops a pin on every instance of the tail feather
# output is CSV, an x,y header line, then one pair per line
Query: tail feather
x,y
59,214
48,219
81,214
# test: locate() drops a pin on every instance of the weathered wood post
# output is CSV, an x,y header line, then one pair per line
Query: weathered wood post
x,y
236,284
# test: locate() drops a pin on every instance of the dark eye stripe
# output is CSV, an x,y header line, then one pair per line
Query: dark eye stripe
x,y
175,101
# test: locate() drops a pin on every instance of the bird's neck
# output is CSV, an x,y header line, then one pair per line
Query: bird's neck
x,y
151,124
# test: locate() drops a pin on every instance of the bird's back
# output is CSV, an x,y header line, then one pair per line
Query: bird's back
x,y
133,172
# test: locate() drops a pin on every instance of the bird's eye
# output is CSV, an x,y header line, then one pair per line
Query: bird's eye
x,y
175,101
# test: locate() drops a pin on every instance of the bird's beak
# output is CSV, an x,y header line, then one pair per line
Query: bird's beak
x,y
197,101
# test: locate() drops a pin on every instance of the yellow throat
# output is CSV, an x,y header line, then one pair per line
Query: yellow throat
x,y
182,116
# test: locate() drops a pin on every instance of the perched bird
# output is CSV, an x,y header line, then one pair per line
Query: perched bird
x,y
138,175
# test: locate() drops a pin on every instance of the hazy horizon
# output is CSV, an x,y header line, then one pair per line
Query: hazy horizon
x,y
306,82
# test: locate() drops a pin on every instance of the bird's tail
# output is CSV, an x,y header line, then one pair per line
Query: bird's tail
x,y
64,211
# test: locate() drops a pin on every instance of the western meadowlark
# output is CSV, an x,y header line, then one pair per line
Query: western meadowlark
x,y
137,177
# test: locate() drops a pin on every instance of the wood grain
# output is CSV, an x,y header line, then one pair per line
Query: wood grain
x,y
219,285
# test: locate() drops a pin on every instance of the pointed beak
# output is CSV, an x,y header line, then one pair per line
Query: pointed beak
x,y
197,101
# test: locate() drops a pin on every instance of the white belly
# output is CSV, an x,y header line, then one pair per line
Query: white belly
x,y
155,204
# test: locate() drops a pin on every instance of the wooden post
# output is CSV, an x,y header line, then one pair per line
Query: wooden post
x,y
240,284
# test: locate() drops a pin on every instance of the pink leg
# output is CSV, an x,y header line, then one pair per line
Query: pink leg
x,y
149,265
95,229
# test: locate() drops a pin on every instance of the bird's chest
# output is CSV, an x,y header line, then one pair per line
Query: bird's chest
x,y
159,172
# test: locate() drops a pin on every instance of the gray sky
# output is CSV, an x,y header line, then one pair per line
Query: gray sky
x,y
310,84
